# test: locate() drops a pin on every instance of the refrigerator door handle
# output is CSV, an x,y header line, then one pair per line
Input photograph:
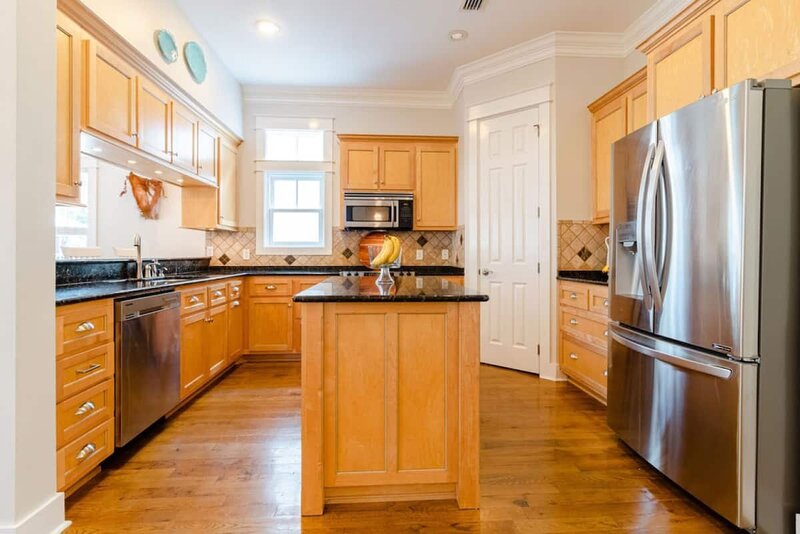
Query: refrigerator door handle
x,y
651,270
640,230
693,365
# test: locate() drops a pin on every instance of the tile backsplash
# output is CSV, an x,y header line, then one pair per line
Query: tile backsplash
x,y
229,248
581,245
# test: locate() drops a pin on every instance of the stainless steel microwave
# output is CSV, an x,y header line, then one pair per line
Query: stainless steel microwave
x,y
363,211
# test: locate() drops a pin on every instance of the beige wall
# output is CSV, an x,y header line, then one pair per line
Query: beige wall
x,y
633,62
137,20
28,500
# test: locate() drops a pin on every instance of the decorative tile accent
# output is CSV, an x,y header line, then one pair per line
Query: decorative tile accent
x,y
290,259
224,259
581,245
347,253
422,241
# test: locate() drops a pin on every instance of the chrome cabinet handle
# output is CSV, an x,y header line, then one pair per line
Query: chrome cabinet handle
x,y
85,408
270,287
605,333
194,300
573,321
218,294
235,304
573,356
209,320
88,450
605,303
235,289
573,296
86,326
87,370
605,373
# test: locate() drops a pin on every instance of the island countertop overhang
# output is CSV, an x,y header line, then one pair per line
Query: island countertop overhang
x,y
405,289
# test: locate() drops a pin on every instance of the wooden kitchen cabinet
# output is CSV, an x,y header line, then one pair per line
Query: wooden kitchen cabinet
x,y
68,109
207,152
271,324
376,163
194,370
110,94
235,328
216,339
214,207
184,125
154,112
359,164
396,166
227,194
435,205
301,284
614,115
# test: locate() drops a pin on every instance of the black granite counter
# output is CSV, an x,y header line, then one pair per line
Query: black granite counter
x,y
97,288
405,289
589,277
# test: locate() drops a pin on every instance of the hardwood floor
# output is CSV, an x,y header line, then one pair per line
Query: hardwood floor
x,y
230,463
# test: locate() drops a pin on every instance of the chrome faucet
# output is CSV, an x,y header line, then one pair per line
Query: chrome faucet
x,y
137,243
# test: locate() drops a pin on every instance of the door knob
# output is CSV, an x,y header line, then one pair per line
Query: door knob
x,y
485,272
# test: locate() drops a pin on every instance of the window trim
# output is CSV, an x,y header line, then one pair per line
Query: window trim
x,y
269,211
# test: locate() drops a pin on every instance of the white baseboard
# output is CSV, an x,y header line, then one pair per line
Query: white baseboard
x,y
49,517
549,371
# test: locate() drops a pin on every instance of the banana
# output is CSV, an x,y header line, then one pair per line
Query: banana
x,y
397,247
386,250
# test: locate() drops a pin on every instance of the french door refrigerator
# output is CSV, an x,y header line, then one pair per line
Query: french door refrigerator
x,y
703,379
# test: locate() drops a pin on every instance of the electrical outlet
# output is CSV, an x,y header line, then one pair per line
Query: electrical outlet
x,y
209,250
245,253
420,283
420,254
445,254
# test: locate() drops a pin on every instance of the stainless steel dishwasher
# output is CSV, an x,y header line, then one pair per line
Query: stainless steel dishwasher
x,y
148,362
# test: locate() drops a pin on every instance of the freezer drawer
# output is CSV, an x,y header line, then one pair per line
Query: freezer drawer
x,y
691,415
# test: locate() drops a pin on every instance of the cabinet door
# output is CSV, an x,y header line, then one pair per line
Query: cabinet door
x,y
359,165
228,181
235,329
301,284
435,199
154,120
68,108
216,341
679,70
756,39
110,94
184,138
207,152
271,324
396,166
194,370
608,126
637,107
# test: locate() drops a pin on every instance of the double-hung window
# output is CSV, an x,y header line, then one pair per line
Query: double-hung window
x,y
295,170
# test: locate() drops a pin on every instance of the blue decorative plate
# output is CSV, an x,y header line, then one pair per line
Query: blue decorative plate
x,y
195,61
165,43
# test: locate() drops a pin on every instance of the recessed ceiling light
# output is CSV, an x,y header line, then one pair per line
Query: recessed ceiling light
x,y
131,162
158,172
267,27
458,35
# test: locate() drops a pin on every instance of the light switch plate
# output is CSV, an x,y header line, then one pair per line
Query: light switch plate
x,y
445,254
419,254
245,253
209,250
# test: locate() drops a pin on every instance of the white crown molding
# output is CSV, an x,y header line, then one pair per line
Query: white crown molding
x,y
650,21
257,94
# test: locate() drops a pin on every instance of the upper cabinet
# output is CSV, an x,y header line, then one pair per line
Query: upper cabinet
x,y
228,191
68,108
423,165
614,115
110,94
207,139
184,137
154,120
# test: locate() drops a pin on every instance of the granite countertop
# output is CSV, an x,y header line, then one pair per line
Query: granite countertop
x,y
589,277
102,289
405,289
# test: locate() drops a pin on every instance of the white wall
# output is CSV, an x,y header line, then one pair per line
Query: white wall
x,y
136,20
633,62
347,119
118,218
28,500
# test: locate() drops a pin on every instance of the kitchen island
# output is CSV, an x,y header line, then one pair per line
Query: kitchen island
x,y
389,391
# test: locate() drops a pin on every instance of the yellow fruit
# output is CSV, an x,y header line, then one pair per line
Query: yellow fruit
x,y
383,255
397,248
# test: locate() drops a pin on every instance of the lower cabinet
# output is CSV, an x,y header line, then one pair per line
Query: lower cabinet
x,y
235,329
271,324
193,361
216,342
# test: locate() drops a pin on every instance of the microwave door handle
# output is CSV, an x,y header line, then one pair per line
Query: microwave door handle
x,y
395,215
640,211
650,226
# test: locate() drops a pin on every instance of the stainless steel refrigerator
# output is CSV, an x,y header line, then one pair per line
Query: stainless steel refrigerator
x,y
704,380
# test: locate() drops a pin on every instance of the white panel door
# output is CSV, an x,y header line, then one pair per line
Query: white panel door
x,y
509,240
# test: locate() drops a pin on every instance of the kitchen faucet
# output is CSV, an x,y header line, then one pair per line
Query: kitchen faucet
x,y
137,243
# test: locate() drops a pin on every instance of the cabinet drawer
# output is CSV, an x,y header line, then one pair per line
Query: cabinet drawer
x,y
84,454
77,415
593,328
194,299
598,299
262,286
579,362
574,295
217,294
84,325
235,289
83,370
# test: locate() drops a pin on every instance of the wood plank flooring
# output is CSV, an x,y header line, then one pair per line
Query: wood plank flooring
x,y
230,462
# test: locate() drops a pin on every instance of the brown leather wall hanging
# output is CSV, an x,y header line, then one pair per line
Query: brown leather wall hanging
x,y
147,193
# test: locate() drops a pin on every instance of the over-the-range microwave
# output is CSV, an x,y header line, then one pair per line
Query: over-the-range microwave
x,y
367,211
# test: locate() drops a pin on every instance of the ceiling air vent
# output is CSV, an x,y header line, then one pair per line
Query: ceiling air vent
x,y
472,5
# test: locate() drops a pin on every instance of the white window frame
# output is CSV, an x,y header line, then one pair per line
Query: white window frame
x,y
269,210
264,168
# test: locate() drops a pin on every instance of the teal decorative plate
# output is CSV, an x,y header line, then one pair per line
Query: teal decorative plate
x,y
195,61
165,43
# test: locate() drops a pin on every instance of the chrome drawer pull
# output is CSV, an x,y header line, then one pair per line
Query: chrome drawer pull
x,y
605,333
218,294
87,370
573,356
85,408
573,296
235,304
235,289
271,287
194,300
605,303
86,326
88,450
573,321
209,320
605,373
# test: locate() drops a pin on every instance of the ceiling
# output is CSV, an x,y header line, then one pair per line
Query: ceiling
x,y
384,44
